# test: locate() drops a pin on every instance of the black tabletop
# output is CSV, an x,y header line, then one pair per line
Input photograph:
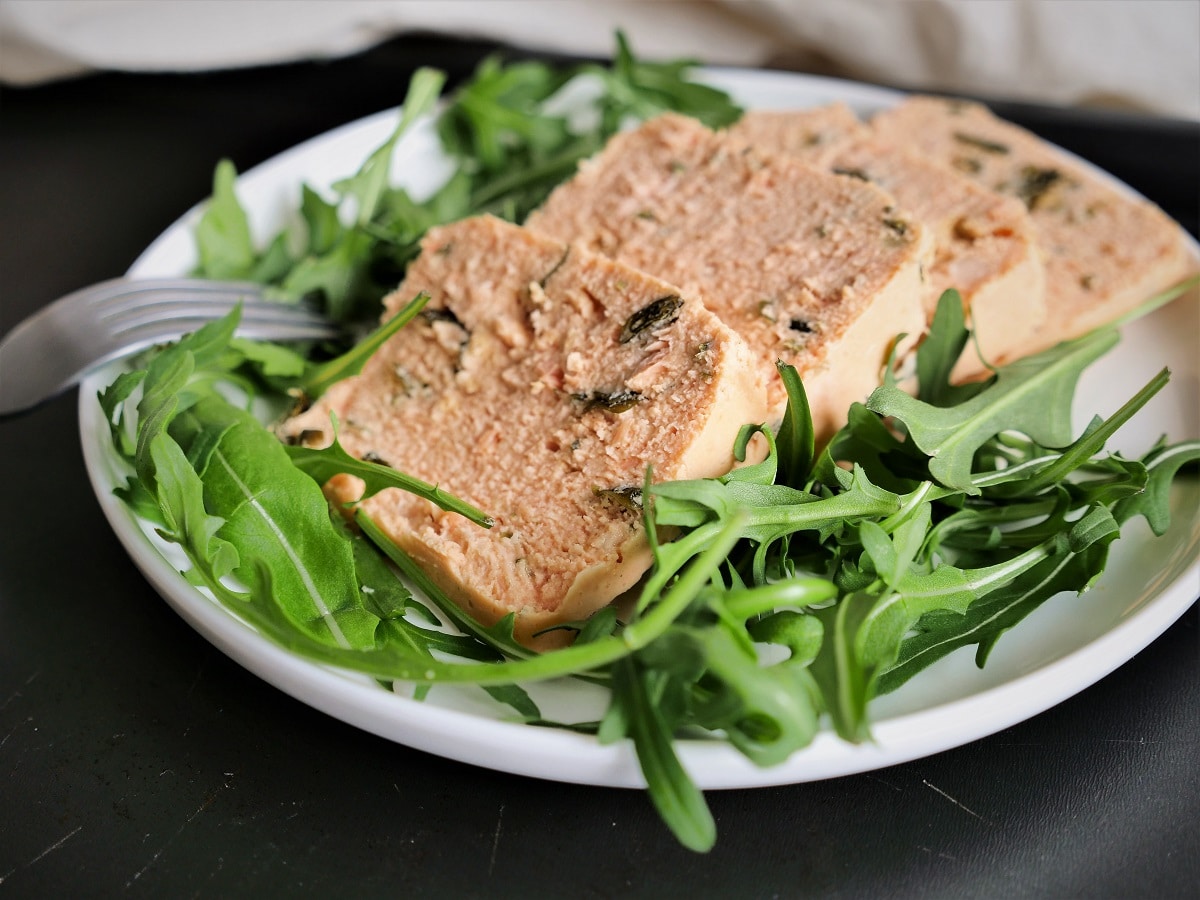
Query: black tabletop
x,y
135,759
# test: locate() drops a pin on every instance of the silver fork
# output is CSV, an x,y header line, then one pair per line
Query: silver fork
x,y
55,348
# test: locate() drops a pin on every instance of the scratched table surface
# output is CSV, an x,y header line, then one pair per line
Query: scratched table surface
x,y
135,759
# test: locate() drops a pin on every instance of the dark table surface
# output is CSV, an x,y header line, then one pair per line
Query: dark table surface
x,y
135,759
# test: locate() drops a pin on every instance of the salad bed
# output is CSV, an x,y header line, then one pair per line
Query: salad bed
x,y
799,588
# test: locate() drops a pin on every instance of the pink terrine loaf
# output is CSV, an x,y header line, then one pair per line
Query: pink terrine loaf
x,y
820,271
985,244
538,384
1106,252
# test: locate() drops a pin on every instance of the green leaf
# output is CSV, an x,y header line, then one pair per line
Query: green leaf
x,y
1032,396
796,438
941,632
322,464
112,403
338,275
323,227
841,675
273,360
671,790
774,715
223,240
940,351
801,633
278,517
186,521
1162,464
367,185
640,89
1023,483
168,387
319,378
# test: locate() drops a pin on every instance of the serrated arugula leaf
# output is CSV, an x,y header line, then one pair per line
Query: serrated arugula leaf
x,y
322,464
367,185
866,441
295,555
940,633
223,239
1032,396
1161,465
1060,465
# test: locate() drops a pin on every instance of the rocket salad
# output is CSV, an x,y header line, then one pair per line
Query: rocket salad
x,y
797,589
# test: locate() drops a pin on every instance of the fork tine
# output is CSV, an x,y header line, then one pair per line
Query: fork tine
x,y
51,350
147,334
174,307
122,291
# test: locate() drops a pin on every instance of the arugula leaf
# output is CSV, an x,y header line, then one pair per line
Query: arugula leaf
x,y
842,675
318,378
308,568
322,464
640,89
367,185
1153,504
223,239
939,633
673,793
1032,395
797,437
187,522
940,351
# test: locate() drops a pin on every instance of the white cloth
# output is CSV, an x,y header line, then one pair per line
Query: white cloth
x,y
1135,53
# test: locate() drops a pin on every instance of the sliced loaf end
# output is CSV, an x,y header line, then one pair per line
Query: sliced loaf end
x,y
539,384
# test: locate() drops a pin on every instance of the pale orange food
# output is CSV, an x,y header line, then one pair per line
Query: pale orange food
x,y
820,271
985,243
1105,252
538,384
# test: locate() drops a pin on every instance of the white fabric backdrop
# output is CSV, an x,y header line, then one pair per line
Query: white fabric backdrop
x,y
1135,53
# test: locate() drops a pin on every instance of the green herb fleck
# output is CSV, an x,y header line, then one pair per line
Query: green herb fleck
x,y
653,317
980,143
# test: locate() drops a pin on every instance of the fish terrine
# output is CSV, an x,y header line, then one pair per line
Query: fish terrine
x,y
984,243
538,384
1106,252
819,271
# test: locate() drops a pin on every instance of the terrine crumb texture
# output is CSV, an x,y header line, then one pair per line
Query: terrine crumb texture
x,y
1105,251
820,271
985,245
538,384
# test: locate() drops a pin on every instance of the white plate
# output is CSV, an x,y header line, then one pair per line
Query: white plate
x,y
1068,644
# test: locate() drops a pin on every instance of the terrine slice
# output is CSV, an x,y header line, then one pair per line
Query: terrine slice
x,y
1106,251
812,135
984,243
538,384
819,271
